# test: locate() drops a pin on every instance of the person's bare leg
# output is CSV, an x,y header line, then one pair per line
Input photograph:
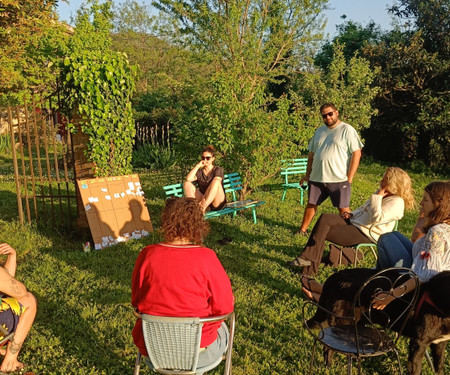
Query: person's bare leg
x,y
214,194
10,362
190,191
310,211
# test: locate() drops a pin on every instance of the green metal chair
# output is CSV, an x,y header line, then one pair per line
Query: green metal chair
x,y
372,246
173,344
293,168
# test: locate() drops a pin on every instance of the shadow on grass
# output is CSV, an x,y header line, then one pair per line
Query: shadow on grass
x,y
81,340
253,263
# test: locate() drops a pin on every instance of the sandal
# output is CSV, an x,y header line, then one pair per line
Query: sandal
x,y
310,289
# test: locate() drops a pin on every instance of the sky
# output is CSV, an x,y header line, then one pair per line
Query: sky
x,y
362,11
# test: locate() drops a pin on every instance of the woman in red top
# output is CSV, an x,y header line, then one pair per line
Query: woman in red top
x,y
179,277
210,192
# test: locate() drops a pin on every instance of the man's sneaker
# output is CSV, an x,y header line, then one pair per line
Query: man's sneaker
x,y
298,263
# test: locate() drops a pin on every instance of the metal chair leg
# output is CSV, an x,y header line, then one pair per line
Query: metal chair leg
x,y
349,365
429,360
137,366
398,362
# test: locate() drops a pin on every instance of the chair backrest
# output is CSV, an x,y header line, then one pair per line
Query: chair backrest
x,y
293,167
389,323
172,343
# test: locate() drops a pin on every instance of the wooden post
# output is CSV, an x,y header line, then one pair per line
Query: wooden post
x,y
83,169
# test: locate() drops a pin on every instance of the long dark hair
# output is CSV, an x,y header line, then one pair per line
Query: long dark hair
x,y
439,192
210,149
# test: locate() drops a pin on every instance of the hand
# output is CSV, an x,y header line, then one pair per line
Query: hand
x,y
382,191
200,164
346,215
5,249
303,180
381,300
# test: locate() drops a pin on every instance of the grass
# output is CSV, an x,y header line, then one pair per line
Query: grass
x,y
84,316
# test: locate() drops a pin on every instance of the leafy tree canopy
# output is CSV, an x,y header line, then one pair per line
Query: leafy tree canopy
x,y
353,36
98,84
25,26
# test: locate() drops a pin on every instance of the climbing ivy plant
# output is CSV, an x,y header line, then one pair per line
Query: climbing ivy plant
x,y
98,84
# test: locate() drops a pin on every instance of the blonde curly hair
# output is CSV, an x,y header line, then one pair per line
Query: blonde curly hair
x,y
399,183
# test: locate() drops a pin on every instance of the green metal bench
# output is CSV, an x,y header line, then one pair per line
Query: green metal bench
x,y
231,183
293,168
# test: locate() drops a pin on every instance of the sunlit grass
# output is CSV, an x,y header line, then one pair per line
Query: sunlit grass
x,y
84,318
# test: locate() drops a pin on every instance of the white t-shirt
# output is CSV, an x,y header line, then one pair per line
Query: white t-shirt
x,y
332,150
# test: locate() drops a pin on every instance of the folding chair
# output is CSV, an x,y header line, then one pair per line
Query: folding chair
x,y
173,344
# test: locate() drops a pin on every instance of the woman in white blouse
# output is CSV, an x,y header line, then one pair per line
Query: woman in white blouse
x,y
387,203
429,254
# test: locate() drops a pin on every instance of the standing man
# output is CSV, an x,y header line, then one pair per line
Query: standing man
x,y
334,154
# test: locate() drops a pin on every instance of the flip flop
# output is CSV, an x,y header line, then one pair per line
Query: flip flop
x,y
310,295
308,288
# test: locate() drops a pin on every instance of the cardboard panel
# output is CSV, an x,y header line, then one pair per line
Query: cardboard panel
x,y
115,208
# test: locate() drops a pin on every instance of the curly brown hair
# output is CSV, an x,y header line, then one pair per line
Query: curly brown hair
x,y
439,192
182,219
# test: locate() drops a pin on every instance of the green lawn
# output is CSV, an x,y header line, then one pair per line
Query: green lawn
x,y
84,316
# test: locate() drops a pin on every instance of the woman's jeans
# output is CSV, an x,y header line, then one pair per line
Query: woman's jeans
x,y
394,250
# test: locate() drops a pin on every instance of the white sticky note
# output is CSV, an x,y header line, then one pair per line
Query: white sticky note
x,y
122,194
87,207
108,197
131,186
98,246
117,195
105,190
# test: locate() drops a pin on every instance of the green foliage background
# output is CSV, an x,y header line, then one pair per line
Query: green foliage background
x,y
98,84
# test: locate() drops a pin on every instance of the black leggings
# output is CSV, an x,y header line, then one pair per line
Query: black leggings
x,y
329,227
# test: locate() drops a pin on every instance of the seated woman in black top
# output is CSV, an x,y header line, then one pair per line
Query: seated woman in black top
x,y
209,178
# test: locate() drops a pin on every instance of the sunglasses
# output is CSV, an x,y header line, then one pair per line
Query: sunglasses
x,y
206,157
329,114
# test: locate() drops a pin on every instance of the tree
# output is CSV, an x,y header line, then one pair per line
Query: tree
x,y
98,84
353,36
248,44
348,84
414,103
24,26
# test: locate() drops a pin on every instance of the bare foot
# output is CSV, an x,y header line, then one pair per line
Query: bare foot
x,y
11,366
2,351
311,295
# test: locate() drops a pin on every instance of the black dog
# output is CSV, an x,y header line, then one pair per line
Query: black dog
x,y
430,325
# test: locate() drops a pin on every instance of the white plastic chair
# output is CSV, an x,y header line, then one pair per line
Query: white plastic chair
x,y
173,344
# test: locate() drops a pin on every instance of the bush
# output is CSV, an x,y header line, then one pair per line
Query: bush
x,y
5,144
153,156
